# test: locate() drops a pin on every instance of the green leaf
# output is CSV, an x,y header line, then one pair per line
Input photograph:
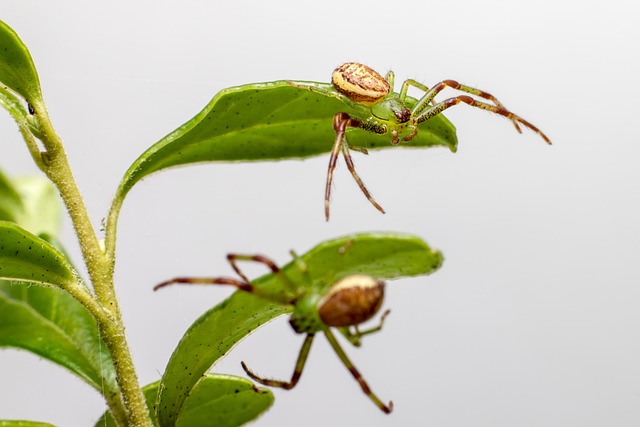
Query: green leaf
x,y
46,320
17,70
11,207
28,124
381,255
13,105
53,325
208,339
267,121
224,401
28,258
31,202
42,208
218,400
22,423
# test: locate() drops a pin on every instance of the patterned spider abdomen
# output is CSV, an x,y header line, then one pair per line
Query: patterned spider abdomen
x,y
351,301
360,83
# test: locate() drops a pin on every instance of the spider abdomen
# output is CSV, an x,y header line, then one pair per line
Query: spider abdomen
x,y
360,83
351,301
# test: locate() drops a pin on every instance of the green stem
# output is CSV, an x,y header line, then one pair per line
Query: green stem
x,y
56,166
111,394
110,229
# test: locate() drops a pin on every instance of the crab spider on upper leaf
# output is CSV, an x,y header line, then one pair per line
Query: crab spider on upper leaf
x,y
382,111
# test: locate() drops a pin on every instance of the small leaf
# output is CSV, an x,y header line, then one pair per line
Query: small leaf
x,y
11,207
42,208
14,105
22,423
224,401
267,121
53,325
31,202
381,255
17,71
28,258
218,400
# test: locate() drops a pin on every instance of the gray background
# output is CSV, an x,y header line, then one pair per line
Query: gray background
x,y
533,319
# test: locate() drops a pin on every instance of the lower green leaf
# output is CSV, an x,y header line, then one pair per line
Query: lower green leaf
x,y
218,400
53,325
208,339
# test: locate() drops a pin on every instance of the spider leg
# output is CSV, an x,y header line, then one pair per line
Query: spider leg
x,y
439,87
297,372
356,374
302,267
340,123
498,109
278,297
414,83
233,258
352,168
324,89
244,284
390,78
355,337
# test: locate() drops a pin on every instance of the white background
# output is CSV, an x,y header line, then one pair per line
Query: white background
x,y
533,319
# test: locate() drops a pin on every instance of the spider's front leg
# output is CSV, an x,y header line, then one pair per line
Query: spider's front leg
x,y
450,102
244,284
423,110
340,123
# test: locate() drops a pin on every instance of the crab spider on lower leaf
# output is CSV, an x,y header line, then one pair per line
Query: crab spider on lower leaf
x,y
382,111
345,304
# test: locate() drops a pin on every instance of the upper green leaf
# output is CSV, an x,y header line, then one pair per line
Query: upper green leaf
x,y
17,71
267,121
218,400
381,255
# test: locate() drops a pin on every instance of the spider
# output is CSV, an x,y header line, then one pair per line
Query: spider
x,y
344,304
380,110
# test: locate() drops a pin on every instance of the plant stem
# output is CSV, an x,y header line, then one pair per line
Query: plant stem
x,y
56,166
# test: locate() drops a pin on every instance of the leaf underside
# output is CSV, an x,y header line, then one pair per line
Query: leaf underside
x,y
268,121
